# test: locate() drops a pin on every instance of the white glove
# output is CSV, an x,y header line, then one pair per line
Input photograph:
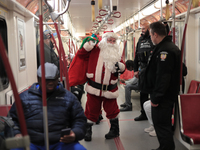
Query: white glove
x,y
88,46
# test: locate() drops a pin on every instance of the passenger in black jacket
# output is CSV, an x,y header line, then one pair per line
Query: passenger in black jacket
x,y
143,50
63,109
162,81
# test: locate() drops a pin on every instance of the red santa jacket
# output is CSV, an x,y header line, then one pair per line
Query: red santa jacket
x,y
94,71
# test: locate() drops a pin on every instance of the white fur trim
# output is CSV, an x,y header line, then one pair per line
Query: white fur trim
x,y
92,90
90,75
113,81
89,121
106,94
98,71
88,47
107,76
110,34
121,66
110,95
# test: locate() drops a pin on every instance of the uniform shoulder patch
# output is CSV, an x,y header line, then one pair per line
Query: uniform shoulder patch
x,y
163,55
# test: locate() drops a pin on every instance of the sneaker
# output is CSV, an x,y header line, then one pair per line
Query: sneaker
x,y
152,133
149,129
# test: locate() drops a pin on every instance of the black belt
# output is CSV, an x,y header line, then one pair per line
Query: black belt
x,y
102,87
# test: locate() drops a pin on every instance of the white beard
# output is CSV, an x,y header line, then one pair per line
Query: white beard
x,y
110,54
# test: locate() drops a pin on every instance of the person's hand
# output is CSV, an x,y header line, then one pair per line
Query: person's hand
x,y
119,67
68,138
18,135
136,74
88,43
154,105
122,80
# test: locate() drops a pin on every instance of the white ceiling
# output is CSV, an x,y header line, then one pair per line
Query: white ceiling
x,y
80,12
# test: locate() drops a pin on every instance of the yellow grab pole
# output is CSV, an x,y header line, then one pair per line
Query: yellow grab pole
x,y
100,4
93,10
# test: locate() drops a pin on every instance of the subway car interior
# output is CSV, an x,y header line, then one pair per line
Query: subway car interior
x,y
68,22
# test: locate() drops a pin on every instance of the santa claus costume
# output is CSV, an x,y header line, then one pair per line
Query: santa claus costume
x,y
101,64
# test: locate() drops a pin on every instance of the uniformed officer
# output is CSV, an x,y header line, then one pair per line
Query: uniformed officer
x,y
143,49
162,81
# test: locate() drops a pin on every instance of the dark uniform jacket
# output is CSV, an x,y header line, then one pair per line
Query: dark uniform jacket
x,y
63,108
162,76
143,48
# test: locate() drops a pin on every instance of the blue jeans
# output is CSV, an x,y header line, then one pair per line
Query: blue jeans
x,y
57,146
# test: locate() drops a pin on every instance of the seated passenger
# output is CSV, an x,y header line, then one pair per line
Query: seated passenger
x,y
130,85
64,111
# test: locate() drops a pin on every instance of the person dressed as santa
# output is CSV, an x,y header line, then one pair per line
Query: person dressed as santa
x,y
100,64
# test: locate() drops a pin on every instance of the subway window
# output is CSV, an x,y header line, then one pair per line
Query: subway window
x,y
3,76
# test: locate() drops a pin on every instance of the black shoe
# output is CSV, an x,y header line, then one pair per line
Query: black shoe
x,y
141,117
100,118
123,105
88,135
127,108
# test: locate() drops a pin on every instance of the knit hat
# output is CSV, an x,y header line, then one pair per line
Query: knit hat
x,y
51,71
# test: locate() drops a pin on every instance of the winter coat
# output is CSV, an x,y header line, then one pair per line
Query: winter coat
x,y
63,109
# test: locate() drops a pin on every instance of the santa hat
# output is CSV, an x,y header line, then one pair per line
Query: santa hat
x,y
108,34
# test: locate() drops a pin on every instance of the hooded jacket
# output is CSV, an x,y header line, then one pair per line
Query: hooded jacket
x,y
63,109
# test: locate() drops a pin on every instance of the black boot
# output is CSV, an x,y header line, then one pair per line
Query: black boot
x,y
114,130
100,118
88,135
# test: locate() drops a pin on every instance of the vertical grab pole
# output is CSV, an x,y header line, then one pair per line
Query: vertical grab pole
x,y
123,53
55,43
161,11
63,56
44,102
20,112
183,44
134,35
173,22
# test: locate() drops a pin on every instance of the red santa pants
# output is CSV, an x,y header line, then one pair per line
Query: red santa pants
x,y
94,104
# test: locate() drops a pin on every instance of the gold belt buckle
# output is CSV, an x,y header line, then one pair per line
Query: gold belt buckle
x,y
103,86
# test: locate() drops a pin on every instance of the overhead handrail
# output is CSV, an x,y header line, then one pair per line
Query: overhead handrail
x,y
110,21
99,19
55,15
19,108
103,12
104,27
116,13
